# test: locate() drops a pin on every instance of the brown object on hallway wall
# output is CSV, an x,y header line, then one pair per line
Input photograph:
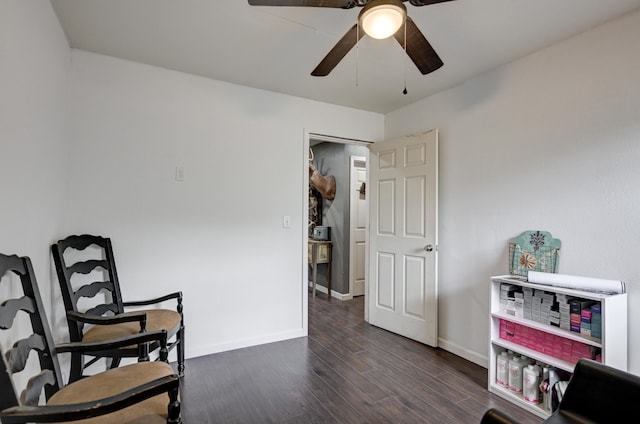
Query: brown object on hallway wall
x,y
326,185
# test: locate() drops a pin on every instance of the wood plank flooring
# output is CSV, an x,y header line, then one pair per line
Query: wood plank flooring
x,y
345,371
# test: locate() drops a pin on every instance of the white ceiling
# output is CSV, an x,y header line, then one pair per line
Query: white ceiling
x,y
276,48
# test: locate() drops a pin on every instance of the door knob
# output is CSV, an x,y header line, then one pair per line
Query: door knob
x,y
428,248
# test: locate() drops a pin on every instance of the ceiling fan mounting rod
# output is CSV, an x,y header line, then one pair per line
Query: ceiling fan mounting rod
x,y
356,3
364,3
368,4
361,3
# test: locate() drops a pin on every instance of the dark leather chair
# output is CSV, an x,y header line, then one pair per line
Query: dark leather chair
x,y
146,391
86,270
596,393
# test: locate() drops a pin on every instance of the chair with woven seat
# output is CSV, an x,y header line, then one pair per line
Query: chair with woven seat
x,y
31,385
86,269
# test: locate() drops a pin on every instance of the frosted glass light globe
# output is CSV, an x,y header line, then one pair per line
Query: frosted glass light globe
x,y
382,21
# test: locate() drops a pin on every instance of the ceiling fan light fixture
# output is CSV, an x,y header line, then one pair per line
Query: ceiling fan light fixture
x,y
382,18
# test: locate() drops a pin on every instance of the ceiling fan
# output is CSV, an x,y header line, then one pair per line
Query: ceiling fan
x,y
394,19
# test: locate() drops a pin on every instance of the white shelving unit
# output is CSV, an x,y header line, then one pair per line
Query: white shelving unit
x,y
613,343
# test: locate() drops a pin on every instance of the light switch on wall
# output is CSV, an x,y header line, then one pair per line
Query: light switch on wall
x,y
286,221
179,173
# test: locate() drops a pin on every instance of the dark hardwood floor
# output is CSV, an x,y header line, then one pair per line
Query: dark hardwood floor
x,y
345,371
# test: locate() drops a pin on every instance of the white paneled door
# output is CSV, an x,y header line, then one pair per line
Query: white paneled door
x,y
358,225
403,208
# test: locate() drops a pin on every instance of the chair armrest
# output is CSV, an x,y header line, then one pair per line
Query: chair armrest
x,y
139,338
176,295
139,316
495,416
72,412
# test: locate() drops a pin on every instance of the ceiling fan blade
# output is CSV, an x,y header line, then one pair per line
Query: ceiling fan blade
x,y
424,2
338,51
418,48
344,4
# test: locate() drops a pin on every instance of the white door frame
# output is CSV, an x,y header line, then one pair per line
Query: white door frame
x,y
308,136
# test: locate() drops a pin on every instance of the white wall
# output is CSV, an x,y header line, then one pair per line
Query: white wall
x,y
217,235
550,142
34,63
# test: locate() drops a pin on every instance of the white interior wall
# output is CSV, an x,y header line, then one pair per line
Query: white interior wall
x,y
217,235
34,64
550,142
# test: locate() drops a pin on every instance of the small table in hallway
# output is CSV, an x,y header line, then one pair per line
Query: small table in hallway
x,y
320,253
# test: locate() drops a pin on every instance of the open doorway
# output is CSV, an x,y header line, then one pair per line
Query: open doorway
x,y
345,216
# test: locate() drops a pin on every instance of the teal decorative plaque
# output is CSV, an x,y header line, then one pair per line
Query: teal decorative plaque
x,y
534,251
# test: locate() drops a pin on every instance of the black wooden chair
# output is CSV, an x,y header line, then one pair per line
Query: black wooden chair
x,y
146,391
95,309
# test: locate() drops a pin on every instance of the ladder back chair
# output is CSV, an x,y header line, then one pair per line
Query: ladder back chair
x,y
31,384
88,279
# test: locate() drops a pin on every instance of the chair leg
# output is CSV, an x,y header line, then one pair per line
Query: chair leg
x,y
76,367
181,351
174,414
180,338
114,362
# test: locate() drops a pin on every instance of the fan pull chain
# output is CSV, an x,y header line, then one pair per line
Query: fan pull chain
x,y
357,51
405,59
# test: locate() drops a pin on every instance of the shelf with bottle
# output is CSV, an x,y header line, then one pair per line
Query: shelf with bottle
x,y
526,381
541,338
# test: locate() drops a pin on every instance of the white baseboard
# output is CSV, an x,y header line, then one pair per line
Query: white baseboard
x,y
242,343
334,294
474,357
